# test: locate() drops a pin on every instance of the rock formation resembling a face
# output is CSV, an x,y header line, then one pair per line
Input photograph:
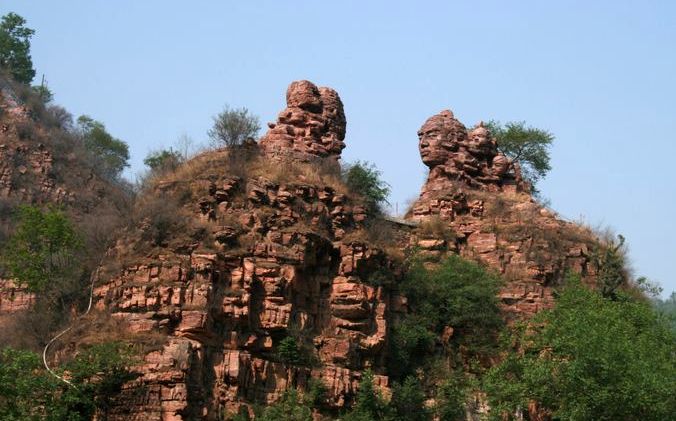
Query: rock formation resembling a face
x,y
439,137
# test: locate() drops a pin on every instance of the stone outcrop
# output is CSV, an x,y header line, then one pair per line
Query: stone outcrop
x,y
254,258
478,195
225,306
273,260
454,154
312,124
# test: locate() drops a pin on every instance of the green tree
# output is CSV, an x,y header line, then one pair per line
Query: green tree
x,y
25,388
233,126
163,160
288,351
408,401
290,407
589,358
526,145
29,392
42,249
364,178
44,93
15,48
112,154
457,294
609,260
369,404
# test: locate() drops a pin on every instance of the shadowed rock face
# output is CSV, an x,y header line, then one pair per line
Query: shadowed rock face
x,y
312,124
454,154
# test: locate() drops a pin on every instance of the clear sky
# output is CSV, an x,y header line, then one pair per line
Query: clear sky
x,y
600,75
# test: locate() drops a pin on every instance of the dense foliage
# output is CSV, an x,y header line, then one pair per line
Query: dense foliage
x,y
364,178
589,358
528,146
163,160
233,126
457,294
42,248
112,154
15,48
28,392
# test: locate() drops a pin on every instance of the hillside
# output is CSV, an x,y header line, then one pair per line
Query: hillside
x,y
241,248
43,163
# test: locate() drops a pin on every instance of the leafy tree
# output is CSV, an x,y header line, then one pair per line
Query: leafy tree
x,y
526,145
15,48
43,247
112,153
288,351
164,160
408,401
364,178
589,358
610,265
451,399
44,93
25,388
369,404
667,308
233,126
457,294
291,407
29,392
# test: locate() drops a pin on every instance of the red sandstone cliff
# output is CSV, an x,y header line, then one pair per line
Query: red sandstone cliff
x,y
244,247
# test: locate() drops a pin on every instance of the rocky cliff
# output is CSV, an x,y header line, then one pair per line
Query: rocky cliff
x,y
479,195
243,248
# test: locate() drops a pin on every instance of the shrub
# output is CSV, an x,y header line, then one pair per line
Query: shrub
x,y
43,247
369,404
363,178
408,401
288,351
460,294
28,392
112,154
588,358
163,160
290,407
610,263
233,126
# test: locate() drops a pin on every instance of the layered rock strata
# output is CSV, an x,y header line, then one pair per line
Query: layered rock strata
x,y
312,124
273,260
479,196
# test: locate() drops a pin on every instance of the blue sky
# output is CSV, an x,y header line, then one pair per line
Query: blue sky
x,y
600,75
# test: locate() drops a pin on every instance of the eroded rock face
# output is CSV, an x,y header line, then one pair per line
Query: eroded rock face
x,y
278,261
478,195
454,154
312,124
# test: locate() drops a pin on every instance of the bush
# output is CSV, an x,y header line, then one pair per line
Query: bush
x,y
233,126
112,154
589,358
369,404
363,178
288,351
163,160
457,294
291,407
43,247
29,392
408,401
